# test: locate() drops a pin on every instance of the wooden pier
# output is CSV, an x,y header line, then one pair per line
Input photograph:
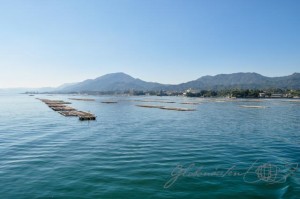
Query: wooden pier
x,y
67,111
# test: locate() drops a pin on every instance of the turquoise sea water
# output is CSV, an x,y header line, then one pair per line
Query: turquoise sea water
x,y
221,150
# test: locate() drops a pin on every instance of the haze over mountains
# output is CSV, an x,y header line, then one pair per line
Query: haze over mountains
x,y
122,82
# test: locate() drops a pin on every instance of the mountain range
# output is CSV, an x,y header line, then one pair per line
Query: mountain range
x,y
121,82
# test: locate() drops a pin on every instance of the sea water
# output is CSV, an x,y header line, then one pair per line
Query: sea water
x,y
220,150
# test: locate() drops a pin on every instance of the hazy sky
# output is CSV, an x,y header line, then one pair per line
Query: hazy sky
x,y
51,42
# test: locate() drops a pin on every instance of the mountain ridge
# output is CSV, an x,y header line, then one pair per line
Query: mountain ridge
x,y
243,80
112,82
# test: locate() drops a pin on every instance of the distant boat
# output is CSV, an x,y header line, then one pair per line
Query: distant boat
x,y
31,95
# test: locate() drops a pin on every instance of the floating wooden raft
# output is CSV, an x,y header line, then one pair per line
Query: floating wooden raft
x,y
63,108
109,102
245,106
67,111
86,116
56,105
159,101
81,114
82,99
149,106
47,101
166,108
177,109
193,103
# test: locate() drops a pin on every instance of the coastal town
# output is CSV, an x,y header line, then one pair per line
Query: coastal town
x,y
229,93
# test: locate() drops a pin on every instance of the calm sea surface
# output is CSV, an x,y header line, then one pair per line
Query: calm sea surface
x,y
221,150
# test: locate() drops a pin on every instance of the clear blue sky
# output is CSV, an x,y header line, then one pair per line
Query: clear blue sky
x,y
50,42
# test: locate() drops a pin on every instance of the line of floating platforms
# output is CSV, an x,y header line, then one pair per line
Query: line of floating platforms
x,y
67,111
166,108
82,99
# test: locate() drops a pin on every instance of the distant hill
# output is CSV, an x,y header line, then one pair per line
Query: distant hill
x,y
112,82
122,82
241,81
